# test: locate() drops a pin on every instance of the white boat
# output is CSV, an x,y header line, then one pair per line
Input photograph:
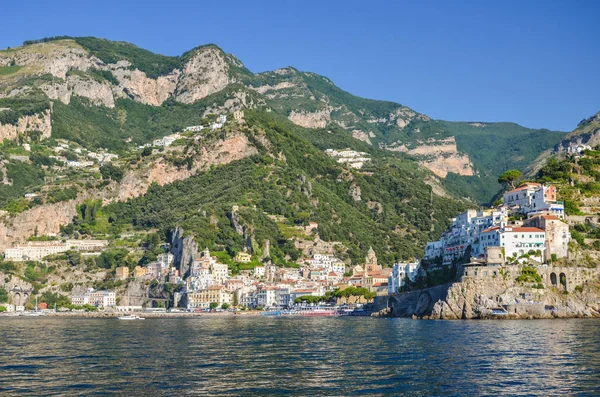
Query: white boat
x,y
131,317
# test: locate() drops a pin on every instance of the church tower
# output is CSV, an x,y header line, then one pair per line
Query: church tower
x,y
371,262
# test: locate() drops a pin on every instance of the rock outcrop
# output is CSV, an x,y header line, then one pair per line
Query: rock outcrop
x,y
45,219
136,182
41,122
494,292
98,93
440,156
136,85
184,250
318,119
205,73
54,57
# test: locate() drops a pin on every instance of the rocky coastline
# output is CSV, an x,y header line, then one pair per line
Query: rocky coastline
x,y
499,293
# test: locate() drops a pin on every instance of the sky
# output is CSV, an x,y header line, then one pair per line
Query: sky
x,y
532,62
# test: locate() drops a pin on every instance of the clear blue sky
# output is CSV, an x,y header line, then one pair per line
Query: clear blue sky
x,y
536,63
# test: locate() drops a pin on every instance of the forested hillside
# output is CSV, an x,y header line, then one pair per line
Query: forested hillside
x,y
288,184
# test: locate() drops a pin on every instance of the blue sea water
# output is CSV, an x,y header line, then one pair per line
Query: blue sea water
x,y
298,357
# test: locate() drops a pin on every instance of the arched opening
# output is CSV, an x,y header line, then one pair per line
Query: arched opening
x,y
563,280
553,279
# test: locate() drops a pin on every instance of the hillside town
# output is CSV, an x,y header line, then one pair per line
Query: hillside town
x,y
528,228
529,225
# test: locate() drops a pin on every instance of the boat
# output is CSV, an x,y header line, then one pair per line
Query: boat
x,y
318,311
130,317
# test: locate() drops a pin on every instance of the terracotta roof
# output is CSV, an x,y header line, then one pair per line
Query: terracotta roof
x,y
490,229
554,217
524,229
379,284
523,186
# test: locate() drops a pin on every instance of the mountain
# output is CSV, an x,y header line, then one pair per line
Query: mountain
x,y
586,133
71,98
466,156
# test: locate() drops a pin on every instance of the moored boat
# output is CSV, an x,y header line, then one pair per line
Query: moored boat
x,y
130,317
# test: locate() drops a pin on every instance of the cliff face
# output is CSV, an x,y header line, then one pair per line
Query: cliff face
x,y
440,156
38,122
483,290
184,250
137,182
46,219
317,119
55,58
478,293
99,93
205,73
136,85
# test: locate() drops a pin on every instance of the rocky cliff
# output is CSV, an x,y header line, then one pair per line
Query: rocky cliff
x,y
184,250
496,292
47,219
138,180
41,122
43,220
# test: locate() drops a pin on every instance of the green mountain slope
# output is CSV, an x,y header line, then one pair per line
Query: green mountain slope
x,y
114,95
494,148
396,214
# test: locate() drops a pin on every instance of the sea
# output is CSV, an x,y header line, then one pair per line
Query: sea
x,y
266,356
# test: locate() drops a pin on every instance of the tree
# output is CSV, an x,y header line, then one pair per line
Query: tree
x,y
109,171
73,258
147,151
3,295
225,306
213,305
509,177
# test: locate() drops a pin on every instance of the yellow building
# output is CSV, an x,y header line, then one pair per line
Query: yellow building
x,y
121,273
203,298
140,271
243,257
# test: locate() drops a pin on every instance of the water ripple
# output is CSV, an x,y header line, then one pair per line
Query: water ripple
x,y
299,356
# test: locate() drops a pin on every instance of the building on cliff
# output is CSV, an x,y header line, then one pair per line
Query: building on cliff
x,y
557,234
534,198
37,250
516,241
475,231
463,234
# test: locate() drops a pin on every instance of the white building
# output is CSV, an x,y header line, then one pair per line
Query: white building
x,y
37,250
400,271
101,299
296,293
259,271
515,241
464,234
349,157
534,197
327,262
267,297
282,297
166,141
